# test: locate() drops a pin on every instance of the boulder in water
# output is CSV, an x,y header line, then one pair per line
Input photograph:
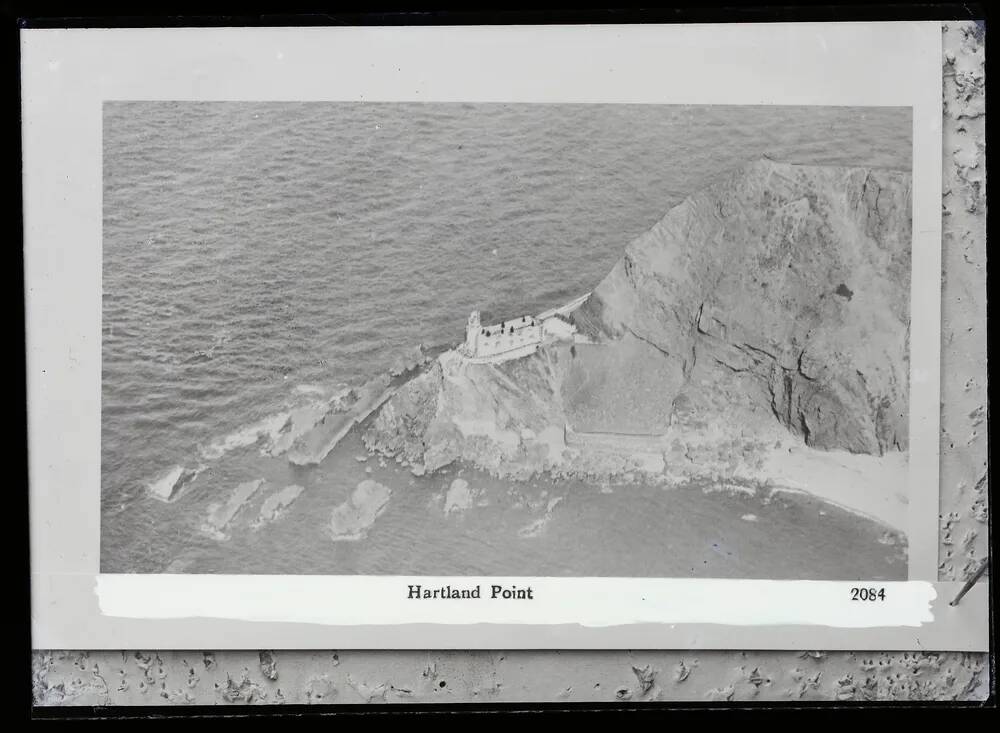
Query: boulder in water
x,y
352,519
276,504
459,497
169,486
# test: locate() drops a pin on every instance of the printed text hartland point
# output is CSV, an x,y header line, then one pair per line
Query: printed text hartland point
x,y
448,592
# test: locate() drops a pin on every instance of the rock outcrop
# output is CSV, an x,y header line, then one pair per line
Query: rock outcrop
x,y
276,505
506,418
169,486
218,522
797,275
314,444
764,317
352,519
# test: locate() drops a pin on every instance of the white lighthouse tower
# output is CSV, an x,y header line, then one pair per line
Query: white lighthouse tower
x,y
472,331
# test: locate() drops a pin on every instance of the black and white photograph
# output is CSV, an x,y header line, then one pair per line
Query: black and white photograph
x,y
555,336
516,339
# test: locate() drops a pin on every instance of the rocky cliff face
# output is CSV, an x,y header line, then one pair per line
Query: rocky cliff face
x,y
796,276
767,311
505,418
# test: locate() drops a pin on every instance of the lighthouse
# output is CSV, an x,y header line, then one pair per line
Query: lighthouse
x,y
472,332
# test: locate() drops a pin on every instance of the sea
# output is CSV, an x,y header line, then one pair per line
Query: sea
x,y
262,257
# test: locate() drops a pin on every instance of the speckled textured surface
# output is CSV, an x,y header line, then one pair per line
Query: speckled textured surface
x,y
267,677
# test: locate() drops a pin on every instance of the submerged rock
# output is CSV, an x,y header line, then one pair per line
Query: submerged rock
x,y
352,519
300,421
459,497
221,516
276,504
315,444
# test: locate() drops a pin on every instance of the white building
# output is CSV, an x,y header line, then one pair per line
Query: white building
x,y
501,341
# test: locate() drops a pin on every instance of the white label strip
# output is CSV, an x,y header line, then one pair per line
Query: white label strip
x,y
592,602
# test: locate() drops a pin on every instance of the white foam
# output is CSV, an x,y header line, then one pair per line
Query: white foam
x,y
269,427
278,430
536,527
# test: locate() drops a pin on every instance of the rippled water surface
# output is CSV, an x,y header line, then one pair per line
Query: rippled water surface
x,y
259,257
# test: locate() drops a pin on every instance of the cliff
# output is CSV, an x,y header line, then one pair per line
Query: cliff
x,y
757,335
797,275
506,418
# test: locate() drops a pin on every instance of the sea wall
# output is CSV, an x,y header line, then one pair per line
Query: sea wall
x,y
504,350
614,441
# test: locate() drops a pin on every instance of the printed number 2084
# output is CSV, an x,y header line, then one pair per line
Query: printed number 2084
x,y
867,594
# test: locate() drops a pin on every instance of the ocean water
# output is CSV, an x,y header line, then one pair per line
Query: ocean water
x,y
261,256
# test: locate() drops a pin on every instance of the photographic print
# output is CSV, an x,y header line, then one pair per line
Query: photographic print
x,y
471,337
505,339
